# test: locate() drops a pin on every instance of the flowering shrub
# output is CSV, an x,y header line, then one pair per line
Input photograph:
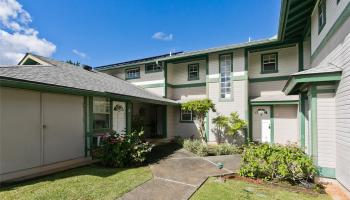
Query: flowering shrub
x,y
277,162
121,150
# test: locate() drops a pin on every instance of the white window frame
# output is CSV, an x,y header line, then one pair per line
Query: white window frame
x,y
101,106
225,66
267,59
188,113
154,68
132,73
193,68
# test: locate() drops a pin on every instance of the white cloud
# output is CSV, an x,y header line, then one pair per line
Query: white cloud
x,y
81,54
16,37
162,36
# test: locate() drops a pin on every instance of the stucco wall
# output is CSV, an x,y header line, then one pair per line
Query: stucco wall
x,y
178,73
266,88
286,124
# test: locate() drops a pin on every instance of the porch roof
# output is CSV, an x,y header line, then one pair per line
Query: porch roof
x,y
322,73
75,79
275,99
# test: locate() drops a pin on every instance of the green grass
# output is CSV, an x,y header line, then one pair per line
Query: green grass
x,y
237,189
90,182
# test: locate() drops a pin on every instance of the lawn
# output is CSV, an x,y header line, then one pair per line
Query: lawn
x,y
90,182
237,189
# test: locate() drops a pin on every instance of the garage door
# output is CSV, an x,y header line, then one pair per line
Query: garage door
x,y
63,125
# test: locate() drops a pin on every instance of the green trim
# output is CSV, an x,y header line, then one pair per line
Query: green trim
x,y
263,103
166,79
155,85
269,47
126,70
187,85
309,78
320,91
301,56
272,125
326,172
313,94
240,78
186,59
272,78
302,119
152,71
250,124
245,60
165,122
262,63
13,83
188,72
340,21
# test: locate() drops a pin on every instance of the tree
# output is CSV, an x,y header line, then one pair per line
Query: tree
x,y
73,63
199,109
230,125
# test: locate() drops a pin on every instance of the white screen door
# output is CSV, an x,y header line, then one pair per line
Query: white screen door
x,y
266,130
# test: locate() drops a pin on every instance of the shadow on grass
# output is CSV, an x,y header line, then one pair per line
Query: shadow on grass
x,y
91,170
160,152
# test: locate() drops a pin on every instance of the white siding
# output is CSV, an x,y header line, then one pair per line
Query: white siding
x,y
333,11
326,130
286,124
257,89
287,62
178,73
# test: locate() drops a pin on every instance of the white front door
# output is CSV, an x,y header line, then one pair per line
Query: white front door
x,y
266,130
119,116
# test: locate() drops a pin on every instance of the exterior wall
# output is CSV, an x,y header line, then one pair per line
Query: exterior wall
x,y
178,73
26,117
257,89
333,11
152,82
183,129
342,102
239,102
326,130
307,53
188,93
287,62
171,131
286,124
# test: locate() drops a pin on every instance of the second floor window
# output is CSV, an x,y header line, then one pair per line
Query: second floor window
x,y
269,63
321,15
225,76
133,73
193,72
152,67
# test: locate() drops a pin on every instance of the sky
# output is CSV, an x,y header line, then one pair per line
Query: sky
x,y
96,32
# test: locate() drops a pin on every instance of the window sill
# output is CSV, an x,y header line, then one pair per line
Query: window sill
x,y
186,121
132,78
269,72
193,79
150,72
225,100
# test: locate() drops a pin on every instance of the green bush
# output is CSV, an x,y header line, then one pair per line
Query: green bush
x,y
121,150
277,162
179,140
196,147
226,149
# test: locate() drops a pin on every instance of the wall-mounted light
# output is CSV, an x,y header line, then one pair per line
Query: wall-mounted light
x,y
261,111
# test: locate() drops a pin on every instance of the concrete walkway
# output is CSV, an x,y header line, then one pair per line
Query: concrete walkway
x,y
180,174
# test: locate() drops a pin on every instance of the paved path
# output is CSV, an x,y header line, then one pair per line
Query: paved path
x,y
180,174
